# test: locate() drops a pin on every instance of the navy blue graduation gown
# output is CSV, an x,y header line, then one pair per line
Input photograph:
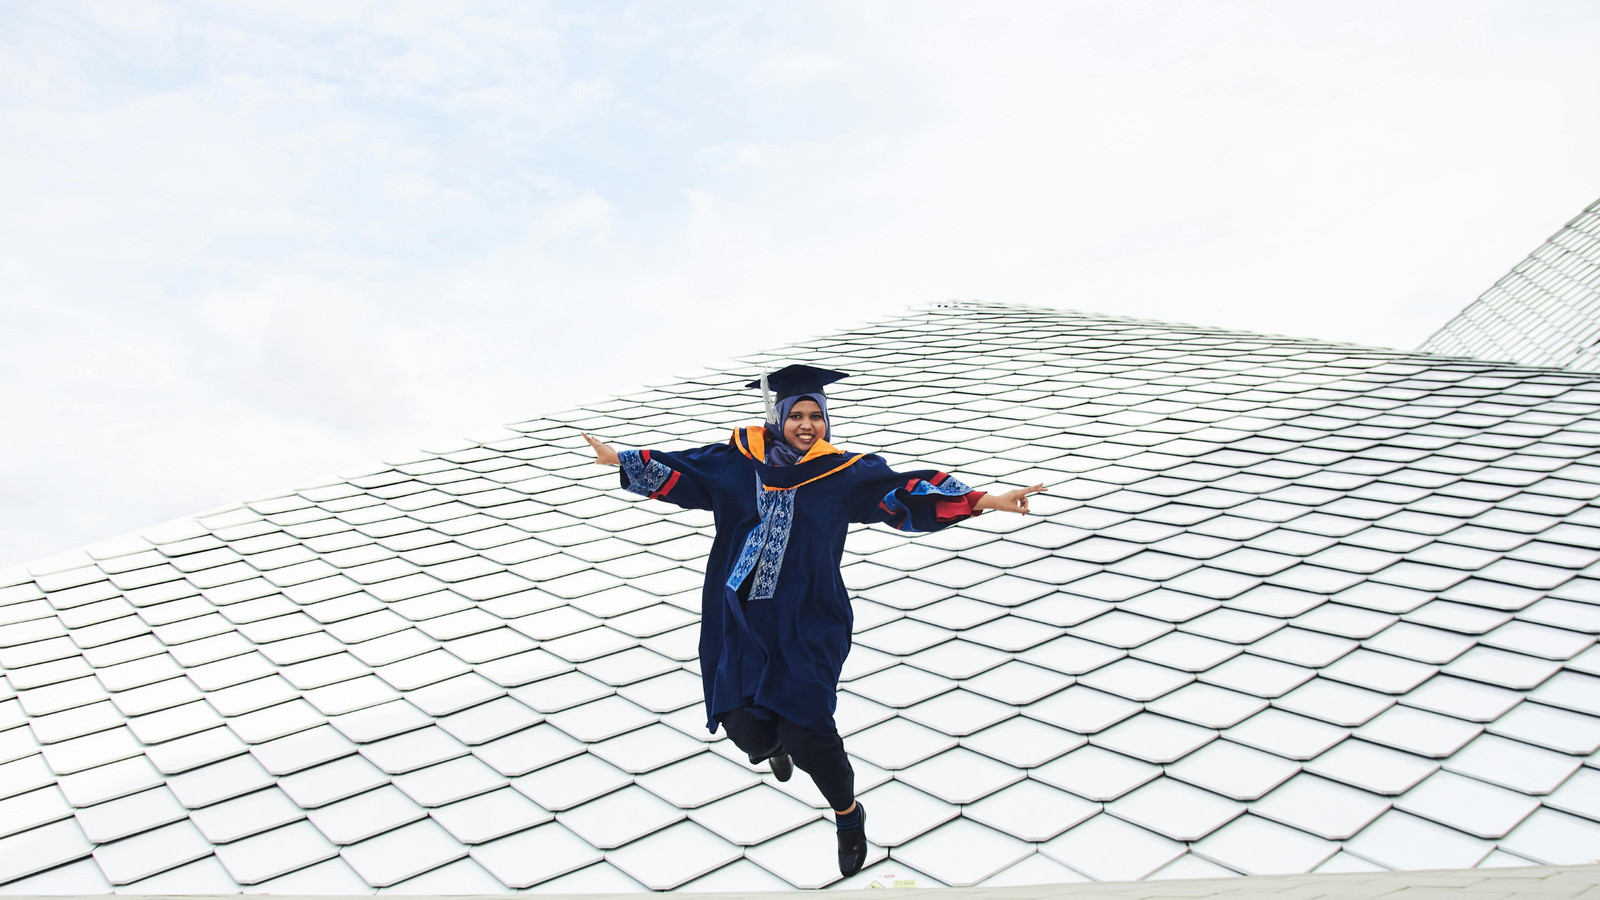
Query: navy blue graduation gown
x,y
781,641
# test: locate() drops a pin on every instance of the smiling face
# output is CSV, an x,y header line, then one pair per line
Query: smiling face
x,y
805,425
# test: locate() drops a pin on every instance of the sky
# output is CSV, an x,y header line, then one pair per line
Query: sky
x,y
246,245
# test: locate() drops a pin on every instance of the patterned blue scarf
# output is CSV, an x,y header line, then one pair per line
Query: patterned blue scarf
x,y
779,453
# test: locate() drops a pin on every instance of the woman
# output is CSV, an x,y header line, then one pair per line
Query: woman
x,y
775,616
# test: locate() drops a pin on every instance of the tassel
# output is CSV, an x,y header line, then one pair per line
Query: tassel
x,y
770,403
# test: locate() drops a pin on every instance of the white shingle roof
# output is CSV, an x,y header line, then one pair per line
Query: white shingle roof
x,y
1544,312
1290,606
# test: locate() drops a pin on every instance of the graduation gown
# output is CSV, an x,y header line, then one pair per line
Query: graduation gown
x,y
775,620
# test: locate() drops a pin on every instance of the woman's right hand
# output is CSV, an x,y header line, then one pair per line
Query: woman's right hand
x,y
604,453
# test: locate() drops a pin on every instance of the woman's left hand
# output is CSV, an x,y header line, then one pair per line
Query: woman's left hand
x,y
1011,501
604,453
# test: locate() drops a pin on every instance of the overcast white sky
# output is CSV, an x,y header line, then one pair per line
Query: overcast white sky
x,y
244,245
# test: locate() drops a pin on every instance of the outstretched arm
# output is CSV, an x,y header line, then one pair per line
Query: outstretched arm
x,y
924,500
1011,501
681,478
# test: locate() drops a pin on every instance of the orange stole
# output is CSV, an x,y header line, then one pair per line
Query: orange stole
x,y
752,442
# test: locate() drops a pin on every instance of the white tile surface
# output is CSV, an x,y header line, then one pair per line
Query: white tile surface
x,y
897,813
44,847
698,780
571,782
960,776
1250,546
403,853
1189,867
130,815
1233,770
276,853
1256,846
1154,738
963,852
488,816
1399,840
333,781
600,878
464,877
1035,869
673,856
1321,807
536,855
1095,773
158,850
1179,811
1106,848
806,857
1553,838
1031,811
450,781
1372,767
333,874
754,816
357,818
738,877
241,817
620,817
203,876
1467,804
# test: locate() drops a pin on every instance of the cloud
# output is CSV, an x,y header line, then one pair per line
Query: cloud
x,y
305,348
247,244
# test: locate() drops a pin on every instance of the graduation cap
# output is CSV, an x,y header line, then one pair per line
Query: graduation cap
x,y
792,381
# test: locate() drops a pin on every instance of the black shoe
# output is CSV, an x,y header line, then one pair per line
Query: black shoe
x,y
853,845
782,767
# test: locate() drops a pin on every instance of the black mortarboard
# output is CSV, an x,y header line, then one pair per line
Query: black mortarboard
x,y
791,381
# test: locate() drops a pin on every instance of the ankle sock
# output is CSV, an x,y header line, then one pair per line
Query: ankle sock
x,y
847,822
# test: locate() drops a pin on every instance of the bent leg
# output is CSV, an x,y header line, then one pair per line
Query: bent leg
x,y
757,736
821,755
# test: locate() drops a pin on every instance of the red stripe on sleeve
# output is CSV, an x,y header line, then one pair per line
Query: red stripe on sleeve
x,y
957,507
667,488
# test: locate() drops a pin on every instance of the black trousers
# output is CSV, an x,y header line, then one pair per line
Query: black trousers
x,y
761,733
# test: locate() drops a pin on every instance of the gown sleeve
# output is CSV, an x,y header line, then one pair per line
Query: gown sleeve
x,y
682,478
919,501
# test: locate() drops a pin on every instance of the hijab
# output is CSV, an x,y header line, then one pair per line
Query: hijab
x,y
779,452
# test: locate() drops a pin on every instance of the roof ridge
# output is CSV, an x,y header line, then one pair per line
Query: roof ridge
x,y
1545,311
